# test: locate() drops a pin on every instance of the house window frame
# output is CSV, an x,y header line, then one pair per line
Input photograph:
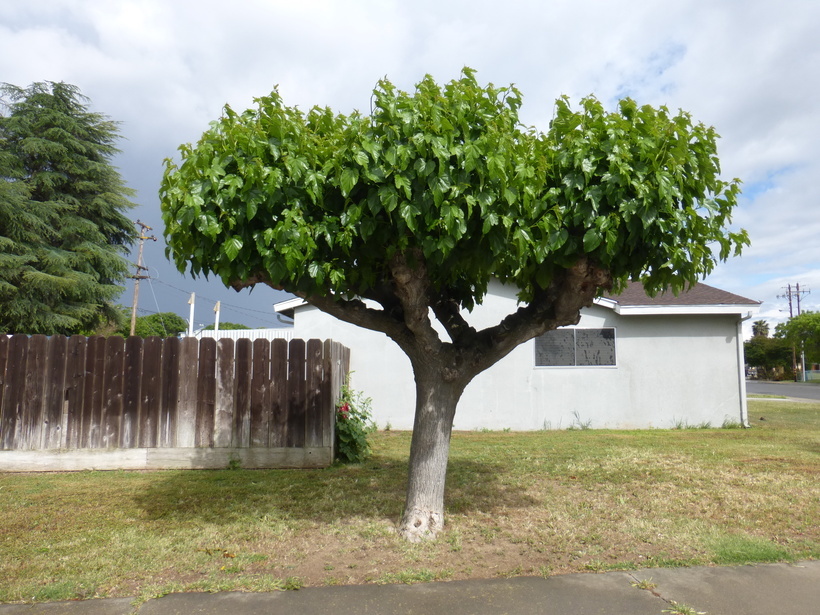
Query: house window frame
x,y
574,331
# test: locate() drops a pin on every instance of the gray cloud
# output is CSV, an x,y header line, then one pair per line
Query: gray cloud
x,y
165,69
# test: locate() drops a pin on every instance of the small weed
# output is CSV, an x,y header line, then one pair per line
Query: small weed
x,y
729,423
646,584
292,584
579,425
232,569
682,609
454,539
515,572
234,463
408,577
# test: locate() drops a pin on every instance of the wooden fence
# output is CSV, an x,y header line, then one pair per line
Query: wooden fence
x,y
104,403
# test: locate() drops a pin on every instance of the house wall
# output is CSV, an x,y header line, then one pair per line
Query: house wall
x,y
671,371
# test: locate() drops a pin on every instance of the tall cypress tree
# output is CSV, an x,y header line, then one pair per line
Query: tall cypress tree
x,y
63,228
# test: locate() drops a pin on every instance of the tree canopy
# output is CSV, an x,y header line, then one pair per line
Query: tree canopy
x,y
227,326
320,202
162,324
802,332
416,206
63,229
770,355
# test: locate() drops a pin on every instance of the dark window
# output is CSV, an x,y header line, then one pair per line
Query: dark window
x,y
575,347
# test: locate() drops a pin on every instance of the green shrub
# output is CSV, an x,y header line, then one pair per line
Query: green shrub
x,y
353,426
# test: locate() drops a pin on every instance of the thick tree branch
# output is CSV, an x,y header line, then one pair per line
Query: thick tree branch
x,y
411,286
353,311
448,313
557,306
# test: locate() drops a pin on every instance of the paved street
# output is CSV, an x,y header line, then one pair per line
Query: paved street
x,y
798,390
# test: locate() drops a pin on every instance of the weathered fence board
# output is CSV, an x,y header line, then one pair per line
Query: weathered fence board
x,y
244,366
169,392
53,402
223,420
75,390
150,396
296,389
59,395
279,399
260,393
129,430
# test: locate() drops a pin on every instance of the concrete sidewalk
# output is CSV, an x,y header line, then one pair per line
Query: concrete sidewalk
x,y
767,589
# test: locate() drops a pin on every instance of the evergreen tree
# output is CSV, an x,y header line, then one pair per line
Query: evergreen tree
x,y
63,228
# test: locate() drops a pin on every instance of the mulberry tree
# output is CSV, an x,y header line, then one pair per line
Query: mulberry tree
x,y
398,218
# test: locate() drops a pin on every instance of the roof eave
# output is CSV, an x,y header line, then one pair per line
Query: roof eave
x,y
669,310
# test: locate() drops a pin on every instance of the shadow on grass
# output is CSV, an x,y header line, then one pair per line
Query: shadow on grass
x,y
375,489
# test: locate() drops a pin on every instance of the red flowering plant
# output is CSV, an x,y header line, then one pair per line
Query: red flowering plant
x,y
353,425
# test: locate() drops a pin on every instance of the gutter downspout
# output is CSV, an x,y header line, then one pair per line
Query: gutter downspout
x,y
741,364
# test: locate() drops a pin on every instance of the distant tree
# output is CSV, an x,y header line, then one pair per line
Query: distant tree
x,y
760,328
419,205
63,229
802,332
771,356
163,324
227,326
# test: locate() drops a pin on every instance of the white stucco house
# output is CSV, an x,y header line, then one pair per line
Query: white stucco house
x,y
631,362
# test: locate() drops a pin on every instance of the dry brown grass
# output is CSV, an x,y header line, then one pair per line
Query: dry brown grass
x,y
518,504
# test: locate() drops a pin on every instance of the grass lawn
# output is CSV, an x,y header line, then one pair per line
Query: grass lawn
x,y
535,503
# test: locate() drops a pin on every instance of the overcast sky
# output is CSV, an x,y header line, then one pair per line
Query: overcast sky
x,y
165,68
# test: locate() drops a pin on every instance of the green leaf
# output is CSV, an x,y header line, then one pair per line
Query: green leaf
x,y
232,246
348,179
592,239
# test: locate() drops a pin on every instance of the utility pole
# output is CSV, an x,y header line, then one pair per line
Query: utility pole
x,y
795,292
138,275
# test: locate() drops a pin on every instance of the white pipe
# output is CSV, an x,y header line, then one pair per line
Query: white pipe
x,y
191,302
741,364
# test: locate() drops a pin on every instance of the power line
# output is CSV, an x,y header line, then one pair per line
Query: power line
x,y
236,308
795,292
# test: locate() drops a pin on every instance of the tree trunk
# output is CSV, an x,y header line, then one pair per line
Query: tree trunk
x,y
436,401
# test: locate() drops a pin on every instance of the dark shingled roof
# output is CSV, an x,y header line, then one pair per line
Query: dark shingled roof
x,y
699,294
